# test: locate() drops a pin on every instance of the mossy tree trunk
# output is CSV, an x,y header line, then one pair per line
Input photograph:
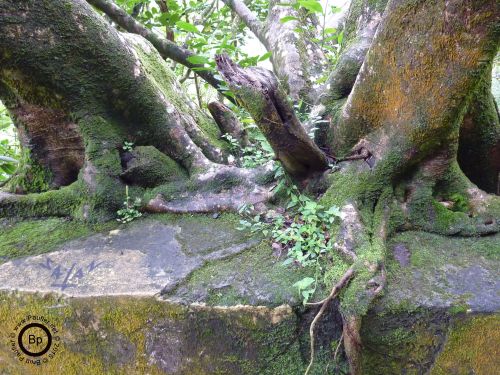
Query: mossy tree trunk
x,y
77,90
408,109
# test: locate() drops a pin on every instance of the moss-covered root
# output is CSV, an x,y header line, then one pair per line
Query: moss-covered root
x,y
439,198
361,240
360,27
62,202
218,188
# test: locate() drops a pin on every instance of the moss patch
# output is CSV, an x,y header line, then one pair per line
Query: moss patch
x,y
472,348
254,277
127,335
33,237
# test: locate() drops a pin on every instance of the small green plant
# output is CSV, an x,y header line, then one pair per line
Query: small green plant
x,y
234,146
9,146
460,203
258,154
303,232
130,210
127,146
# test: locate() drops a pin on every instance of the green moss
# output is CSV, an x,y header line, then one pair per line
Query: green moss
x,y
62,202
434,250
96,331
357,9
257,266
164,78
150,167
404,343
431,257
33,237
472,348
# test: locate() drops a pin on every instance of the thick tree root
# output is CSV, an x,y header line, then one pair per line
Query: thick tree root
x,y
479,216
230,200
60,203
352,342
228,123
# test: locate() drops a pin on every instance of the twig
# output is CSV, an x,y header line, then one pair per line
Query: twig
x,y
337,349
335,290
198,93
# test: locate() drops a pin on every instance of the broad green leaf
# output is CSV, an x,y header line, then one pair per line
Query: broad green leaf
x,y
288,19
304,283
197,59
265,56
311,5
186,26
340,37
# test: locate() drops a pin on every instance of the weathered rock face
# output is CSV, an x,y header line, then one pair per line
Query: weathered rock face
x,y
440,312
192,295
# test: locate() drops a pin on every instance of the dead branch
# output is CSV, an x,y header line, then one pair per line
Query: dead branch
x,y
259,92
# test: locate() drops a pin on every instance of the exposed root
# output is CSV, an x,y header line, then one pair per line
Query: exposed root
x,y
480,218
218,188
335,354
60,203
349,233
335,291
358,154
230,200
352,342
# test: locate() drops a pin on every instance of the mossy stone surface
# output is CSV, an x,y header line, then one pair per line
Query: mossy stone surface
x,y
439,314
227,305
106,329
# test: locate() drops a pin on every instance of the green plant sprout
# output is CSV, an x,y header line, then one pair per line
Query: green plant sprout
x,y
130,211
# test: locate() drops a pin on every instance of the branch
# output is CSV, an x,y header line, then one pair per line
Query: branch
x,y
166,48
360,29
249,18
261,95
228,122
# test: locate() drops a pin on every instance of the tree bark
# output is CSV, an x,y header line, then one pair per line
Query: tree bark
x,y
260,93
166,47
107,95
297,60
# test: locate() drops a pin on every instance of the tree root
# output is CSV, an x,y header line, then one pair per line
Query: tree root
x,y
228,123
58,203
480,217
230,200
324,304
218,188
335,354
